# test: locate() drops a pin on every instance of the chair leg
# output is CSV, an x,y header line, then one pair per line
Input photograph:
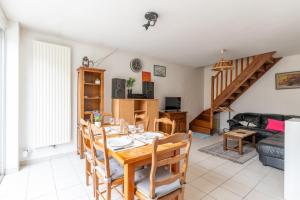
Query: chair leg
x,y
87,171
94,183
108,191
96,186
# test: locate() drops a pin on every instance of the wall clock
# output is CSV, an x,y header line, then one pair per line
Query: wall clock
x,y
136,65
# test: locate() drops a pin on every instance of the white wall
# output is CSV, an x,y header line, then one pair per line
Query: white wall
x,y
262,97
12,97
180,81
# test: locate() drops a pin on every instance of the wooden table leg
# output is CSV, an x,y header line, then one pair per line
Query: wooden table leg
x,y
225,142
253,140
129,170
241,146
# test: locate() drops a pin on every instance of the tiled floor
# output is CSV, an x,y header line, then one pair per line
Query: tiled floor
x,y
209,178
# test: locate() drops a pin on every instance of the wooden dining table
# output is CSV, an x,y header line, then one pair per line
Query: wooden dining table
x,y
135,157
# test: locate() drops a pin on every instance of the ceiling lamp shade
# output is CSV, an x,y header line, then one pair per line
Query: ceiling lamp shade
x,y
222,64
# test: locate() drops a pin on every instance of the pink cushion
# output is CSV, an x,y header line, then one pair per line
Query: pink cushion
x,y
275,125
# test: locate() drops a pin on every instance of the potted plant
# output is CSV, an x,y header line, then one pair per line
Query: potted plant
x,y
97,119
129,83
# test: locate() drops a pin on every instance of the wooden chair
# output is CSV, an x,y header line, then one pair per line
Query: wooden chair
x,y
105,116
160,183
107,170
85,134
142,119
164,121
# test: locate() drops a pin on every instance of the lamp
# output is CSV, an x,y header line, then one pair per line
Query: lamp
x,y
224,109
222,64
152,18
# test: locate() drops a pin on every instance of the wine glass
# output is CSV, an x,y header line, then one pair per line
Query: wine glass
x,y
117,121
111,121
133,130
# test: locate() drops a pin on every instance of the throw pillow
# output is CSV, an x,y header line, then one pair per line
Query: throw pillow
x,y
275,125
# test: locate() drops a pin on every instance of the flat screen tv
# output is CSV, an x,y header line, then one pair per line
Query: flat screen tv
x,y
173,103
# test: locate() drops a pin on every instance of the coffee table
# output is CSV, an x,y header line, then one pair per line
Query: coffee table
x,y
239,135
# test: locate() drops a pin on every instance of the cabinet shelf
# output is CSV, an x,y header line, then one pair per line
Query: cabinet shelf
x,y
92,98
92,84
139,111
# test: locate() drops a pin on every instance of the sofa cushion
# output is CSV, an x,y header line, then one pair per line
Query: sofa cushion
x,y
265,117
252,118
276,125
272,146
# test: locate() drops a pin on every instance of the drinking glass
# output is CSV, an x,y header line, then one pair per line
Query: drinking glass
x,y
111,121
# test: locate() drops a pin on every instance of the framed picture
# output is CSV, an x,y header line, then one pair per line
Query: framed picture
x,y
160,71
146,76
287,80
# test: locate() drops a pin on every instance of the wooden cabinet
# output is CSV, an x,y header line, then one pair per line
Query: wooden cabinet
x,y
180,120
90,96
127,108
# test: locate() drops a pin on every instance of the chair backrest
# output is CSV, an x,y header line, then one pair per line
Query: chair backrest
x,y
100,146
85,134
105,116
170,160
142,119
165,121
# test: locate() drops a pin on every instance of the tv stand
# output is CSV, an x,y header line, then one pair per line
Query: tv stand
x,y
178,116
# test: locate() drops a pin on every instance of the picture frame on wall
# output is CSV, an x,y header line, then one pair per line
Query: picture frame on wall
x,y
160,71
287,80
146,76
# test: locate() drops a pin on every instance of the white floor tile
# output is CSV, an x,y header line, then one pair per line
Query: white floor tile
x,y
72,192
212,163
40,181
215,178
192,193
237,187
223,194
255,195
203,185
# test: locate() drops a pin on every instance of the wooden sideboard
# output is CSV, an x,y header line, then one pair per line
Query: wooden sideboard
x,y
127,108
180,120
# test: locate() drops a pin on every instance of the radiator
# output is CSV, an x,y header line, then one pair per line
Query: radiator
x,y
51,95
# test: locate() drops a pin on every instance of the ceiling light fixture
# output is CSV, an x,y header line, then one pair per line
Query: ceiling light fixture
x,y
222,64
152,18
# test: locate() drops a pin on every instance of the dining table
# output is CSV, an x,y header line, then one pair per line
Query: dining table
x,y
135,157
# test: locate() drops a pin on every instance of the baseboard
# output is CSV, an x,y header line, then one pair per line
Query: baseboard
x,y
38,160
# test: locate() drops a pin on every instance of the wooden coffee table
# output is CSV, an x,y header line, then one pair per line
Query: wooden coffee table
x,y
240,135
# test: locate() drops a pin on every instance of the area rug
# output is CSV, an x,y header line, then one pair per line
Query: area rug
x,y
217,150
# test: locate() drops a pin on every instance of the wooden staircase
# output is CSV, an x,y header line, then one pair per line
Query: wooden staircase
x,y
230,84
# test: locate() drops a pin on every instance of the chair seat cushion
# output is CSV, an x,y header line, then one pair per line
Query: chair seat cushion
x,y
116,170
90,157
142,182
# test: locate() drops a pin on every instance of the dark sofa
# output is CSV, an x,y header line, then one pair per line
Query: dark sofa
x,y
270,144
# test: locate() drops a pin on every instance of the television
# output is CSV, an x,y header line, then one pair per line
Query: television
x,y
173,103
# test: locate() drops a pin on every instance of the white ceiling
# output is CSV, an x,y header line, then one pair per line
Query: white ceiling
x,y
188,32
